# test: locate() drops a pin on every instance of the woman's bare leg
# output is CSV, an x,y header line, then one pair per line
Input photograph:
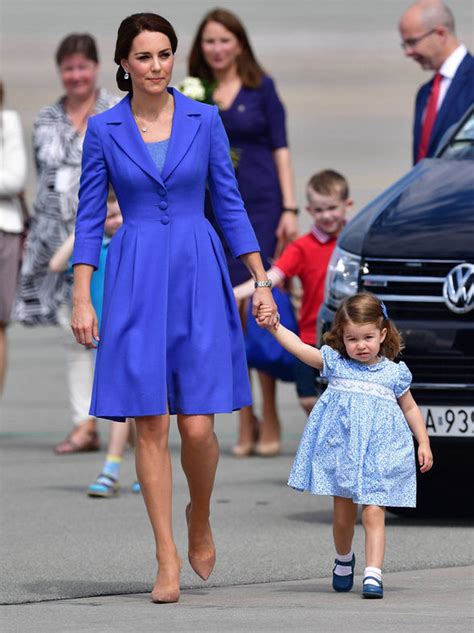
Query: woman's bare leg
x,y
199,458
247,428
247,419
270,425
153,465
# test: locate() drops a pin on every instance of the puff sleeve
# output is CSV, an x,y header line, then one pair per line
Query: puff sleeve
x,y
404,380
330,358
226,199
92,209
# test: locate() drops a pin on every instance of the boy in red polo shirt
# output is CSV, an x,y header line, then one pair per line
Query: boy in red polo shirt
x,y
308,258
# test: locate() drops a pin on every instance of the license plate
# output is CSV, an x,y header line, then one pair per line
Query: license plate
x,y
449,421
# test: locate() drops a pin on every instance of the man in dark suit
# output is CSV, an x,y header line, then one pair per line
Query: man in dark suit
x,y
428,36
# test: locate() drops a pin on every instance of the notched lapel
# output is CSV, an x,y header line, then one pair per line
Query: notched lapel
x,y
453,90
125,133
185,127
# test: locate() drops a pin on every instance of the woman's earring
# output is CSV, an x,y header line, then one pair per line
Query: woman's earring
x,y
126,75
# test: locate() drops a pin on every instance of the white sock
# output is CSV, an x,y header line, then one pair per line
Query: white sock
x,y
375,572
344,570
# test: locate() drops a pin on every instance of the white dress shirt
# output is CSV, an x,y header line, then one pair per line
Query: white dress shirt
x,y
448,70
12,171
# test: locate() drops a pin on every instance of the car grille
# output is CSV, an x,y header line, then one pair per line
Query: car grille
x,y
412,289
457,370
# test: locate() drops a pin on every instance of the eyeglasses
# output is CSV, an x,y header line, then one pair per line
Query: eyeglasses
x,y
411,43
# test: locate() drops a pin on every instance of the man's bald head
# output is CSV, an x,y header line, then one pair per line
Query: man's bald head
x,y
432,13
428,33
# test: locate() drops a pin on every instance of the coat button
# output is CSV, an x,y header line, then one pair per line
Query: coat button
x,y
162,192
163,205
165,220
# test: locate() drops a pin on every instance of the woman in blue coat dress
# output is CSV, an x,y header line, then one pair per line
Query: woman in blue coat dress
x,y
170,333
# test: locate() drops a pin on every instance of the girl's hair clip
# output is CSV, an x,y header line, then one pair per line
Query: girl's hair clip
x,y
384,310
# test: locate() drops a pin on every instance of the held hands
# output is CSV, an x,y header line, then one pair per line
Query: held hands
x,y
267,319
425,457
263,300
84,324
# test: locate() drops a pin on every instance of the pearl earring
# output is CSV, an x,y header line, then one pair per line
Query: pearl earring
x,y
126,75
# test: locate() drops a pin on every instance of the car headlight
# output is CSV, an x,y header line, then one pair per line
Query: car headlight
x,y
342,278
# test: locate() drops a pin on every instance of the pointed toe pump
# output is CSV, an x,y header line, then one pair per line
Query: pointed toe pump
x,y
203,567
167,594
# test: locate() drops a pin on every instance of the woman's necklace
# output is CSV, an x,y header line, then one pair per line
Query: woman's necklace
x,y
144,128
146,125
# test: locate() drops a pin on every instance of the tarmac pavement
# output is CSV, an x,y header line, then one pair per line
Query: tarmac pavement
x,y
418,601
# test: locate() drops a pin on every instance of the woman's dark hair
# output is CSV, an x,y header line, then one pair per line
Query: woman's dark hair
x,y
249,70
74,43
362,308
127,32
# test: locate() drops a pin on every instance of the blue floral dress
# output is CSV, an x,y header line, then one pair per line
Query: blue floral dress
x,y
357,443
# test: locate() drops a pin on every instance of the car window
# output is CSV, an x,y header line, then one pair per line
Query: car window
x,y
461,145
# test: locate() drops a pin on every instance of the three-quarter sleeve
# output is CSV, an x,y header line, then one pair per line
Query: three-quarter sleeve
x,y
227,202
275,113
404,380
92,209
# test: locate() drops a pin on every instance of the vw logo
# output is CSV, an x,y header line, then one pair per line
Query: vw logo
x,y
458,289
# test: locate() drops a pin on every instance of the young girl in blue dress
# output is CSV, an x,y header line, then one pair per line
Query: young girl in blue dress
x,y
357,445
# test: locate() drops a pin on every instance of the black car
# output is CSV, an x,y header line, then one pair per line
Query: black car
x,y
413,247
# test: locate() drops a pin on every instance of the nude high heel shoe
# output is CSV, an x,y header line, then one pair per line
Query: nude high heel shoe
x,y
167,594
202,566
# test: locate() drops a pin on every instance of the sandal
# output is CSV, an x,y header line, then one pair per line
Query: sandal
x,y
136,487
104,486
70,445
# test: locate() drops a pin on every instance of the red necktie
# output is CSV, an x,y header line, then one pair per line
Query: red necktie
x,y
430,117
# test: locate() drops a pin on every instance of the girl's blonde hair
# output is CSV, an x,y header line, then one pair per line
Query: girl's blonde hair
x,y
361,309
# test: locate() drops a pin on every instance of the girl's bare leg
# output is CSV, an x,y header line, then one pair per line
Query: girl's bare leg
x,y
153,465
119,432
199,458
373,520
344,518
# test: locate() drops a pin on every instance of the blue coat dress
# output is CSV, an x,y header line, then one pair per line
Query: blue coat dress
x,y
170,331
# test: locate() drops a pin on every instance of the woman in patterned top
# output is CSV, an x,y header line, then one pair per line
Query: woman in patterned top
x,y
357,445
44,298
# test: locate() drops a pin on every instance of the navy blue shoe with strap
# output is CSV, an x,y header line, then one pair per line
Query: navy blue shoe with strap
x,y
370,590
343,583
